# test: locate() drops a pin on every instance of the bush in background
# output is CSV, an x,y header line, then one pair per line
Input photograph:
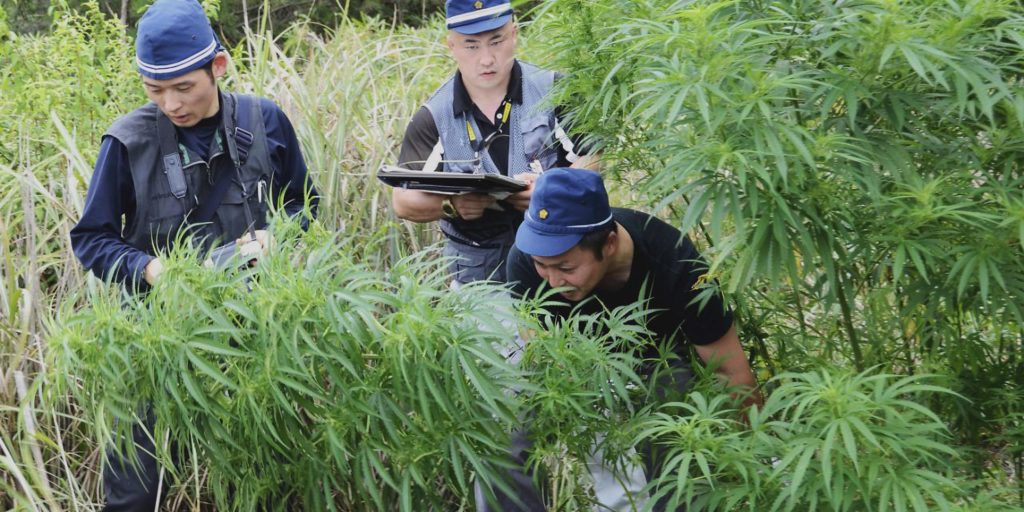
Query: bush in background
x,y
230,16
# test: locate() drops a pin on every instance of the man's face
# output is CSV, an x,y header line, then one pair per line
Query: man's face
x,y
189,98
485,59
576,268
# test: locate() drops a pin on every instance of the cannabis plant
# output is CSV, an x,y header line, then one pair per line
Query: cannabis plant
x,y
309,379
825,440
852,167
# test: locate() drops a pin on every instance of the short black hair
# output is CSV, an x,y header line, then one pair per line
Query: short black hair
x,y
595,240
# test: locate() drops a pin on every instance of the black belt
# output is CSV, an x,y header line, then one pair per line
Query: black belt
x,y
465,241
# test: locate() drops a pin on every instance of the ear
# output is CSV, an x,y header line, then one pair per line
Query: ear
x,y
611,245
450,40
220,64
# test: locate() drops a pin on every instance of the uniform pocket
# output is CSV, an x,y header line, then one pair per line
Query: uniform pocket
x,y
537,139
231,219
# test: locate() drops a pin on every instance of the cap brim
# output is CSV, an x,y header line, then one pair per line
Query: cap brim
x,y
543,244
485,25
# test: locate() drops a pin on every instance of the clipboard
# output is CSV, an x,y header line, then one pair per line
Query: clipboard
x,y
449,182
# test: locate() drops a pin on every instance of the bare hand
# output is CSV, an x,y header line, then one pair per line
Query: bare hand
x,y
253,249
521,200
471,206
153,270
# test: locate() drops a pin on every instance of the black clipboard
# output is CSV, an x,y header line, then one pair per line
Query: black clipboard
x,y
449,182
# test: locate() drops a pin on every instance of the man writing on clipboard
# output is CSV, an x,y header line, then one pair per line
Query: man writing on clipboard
x,y
485,119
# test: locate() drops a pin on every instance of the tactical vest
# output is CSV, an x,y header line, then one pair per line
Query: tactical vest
x,y
479,247
160,216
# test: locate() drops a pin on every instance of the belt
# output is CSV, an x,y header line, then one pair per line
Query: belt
x,y
465,241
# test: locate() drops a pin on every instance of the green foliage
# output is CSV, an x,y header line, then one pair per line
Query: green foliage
x,y
582,395
81,74
4,28
359,388
60,92
349,95
57,94
323,14
828,439
854,168
229,17
856,255
318,379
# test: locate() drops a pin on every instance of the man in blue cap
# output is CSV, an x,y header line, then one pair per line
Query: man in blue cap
x,y
195,160
488,118
607,257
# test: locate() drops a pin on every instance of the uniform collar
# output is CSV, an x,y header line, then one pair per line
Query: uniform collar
x,y
206,132
461,102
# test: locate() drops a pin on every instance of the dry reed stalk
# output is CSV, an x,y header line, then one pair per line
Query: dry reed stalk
x,y
31,435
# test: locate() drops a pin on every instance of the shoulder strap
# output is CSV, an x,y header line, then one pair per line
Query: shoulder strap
x,y
242,124
170,156
208,206
229,110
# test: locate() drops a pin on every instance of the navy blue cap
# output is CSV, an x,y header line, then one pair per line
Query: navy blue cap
x,y
174,38
566,204
475,16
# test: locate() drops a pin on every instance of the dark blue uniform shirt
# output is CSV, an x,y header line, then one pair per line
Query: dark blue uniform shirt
x,y
97,238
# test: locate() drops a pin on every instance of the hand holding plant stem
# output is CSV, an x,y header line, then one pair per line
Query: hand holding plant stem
x,y
249,247
153,270
254,246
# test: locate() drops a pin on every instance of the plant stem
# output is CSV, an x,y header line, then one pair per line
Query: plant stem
x,y
858,359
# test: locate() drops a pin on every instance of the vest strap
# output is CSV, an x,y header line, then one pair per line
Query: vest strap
x,y
229,120
214,199
170,156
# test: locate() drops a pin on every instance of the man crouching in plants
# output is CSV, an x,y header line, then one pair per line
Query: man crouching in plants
x,y
608,257
193,158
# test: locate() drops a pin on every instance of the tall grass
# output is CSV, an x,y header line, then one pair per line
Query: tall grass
x,y
350,96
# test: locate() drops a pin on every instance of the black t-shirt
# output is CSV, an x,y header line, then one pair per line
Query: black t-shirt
x,y
667,263
421,134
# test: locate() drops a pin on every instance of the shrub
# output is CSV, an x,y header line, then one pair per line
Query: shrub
x,y
828,439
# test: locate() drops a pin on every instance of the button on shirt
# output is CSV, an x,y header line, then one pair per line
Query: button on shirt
x,y
97,238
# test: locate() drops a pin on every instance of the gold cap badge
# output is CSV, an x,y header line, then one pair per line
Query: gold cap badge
x,y
478,4
543,213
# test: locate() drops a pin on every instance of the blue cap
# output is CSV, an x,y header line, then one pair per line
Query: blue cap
x,y
174,38
475,16
566,204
